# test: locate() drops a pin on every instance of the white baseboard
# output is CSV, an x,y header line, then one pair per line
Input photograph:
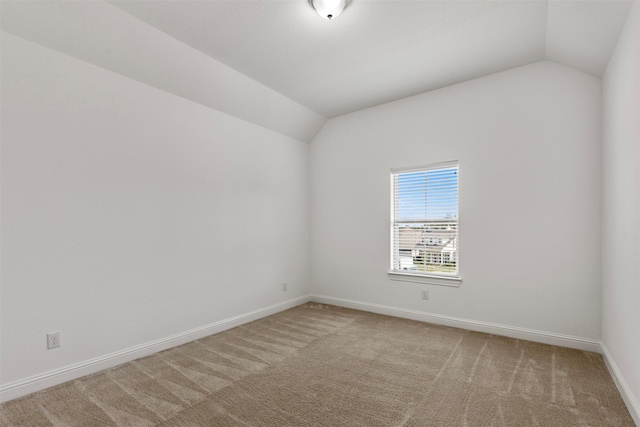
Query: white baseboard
x,y
632,404
473,325
58,376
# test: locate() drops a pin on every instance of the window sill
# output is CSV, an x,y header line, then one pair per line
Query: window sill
x,y
423,278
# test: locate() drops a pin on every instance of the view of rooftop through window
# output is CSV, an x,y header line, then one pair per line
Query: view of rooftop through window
x,y
425,220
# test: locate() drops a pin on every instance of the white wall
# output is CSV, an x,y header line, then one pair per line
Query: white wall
x,y
130,214
621,209
529,142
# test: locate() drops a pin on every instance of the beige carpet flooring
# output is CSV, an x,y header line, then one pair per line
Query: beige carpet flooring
x,y
318,365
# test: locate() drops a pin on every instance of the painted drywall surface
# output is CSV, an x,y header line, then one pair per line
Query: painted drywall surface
x,y
528,142
102,34
621,205
130,214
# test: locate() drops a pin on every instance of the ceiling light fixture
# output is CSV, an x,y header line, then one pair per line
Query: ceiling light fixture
x,y
329,9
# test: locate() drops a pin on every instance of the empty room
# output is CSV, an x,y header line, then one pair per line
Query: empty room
x,y
320,213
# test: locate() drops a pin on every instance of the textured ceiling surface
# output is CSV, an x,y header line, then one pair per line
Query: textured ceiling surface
x,y
379,51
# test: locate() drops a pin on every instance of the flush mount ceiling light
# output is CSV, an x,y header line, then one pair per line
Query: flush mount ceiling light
x,y
329,9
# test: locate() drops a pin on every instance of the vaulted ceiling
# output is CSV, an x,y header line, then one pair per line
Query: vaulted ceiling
x,y
379,51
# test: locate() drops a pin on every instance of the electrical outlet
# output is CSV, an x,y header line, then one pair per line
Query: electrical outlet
x,y
53,340
425,294
284,286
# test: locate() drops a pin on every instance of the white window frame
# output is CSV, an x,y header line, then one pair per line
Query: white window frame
x,y
443,279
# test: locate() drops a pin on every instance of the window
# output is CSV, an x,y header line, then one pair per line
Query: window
x,y
424,221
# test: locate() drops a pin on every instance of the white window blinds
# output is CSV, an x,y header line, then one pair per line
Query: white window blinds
x,y
424,220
